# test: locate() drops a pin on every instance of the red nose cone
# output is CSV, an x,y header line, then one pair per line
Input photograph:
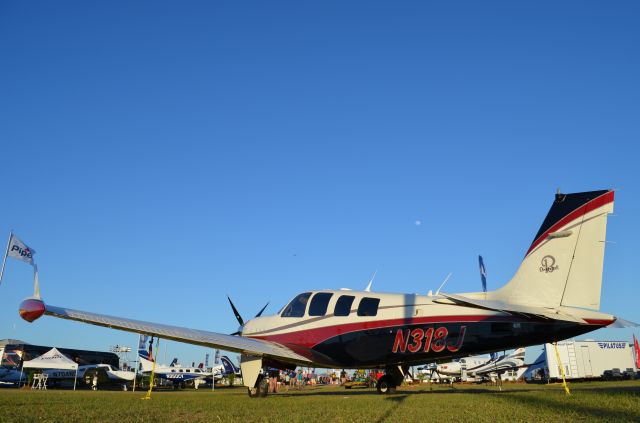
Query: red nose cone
x,y
31,309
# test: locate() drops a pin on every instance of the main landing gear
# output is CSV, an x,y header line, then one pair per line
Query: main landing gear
x,y
393,377
386,385
257,384
261,388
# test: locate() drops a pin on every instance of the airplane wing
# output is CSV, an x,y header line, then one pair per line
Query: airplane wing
x,y
238,344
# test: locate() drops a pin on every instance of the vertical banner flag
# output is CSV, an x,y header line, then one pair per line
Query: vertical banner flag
x,y
18,250
142,345
151,349
636,348
483,274
142,342
206,361
216,360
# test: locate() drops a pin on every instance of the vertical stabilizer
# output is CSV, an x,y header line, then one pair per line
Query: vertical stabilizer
x,y
229,367
145,364
563,265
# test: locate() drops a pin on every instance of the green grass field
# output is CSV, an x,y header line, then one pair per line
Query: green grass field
x,y
610,401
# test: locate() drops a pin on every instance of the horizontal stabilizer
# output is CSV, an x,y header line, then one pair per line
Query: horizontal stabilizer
x,y
517,309
622,323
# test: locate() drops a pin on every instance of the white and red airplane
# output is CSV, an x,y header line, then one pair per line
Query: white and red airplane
x,y
554,295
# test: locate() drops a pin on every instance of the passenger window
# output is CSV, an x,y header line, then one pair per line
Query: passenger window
x,y
368,306
319,303
343,305
297,306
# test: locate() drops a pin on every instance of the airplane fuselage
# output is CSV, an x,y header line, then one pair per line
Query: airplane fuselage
x,y
405,329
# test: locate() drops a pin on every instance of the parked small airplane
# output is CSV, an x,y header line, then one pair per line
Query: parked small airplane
x,y
229,367
175,373
10,375
500,365
107,375
474,366
554,295
454,369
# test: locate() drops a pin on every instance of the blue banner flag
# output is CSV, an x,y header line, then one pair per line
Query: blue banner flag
x,y
483,274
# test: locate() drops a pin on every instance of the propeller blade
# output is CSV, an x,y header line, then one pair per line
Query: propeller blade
x,y
260,312
236,333
235,312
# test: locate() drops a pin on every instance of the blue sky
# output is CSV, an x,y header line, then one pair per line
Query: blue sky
x,y
160,155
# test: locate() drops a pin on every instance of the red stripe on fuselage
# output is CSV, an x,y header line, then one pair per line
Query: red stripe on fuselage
x,y
577,213
313,336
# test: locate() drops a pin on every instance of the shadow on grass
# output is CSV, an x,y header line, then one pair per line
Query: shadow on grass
x,y
602,407
459,390
396,401
322,392
564,404
400,391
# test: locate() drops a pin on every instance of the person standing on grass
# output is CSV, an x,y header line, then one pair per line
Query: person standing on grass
x,y
271,379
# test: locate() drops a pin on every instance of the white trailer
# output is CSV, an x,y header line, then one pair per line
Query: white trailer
x,y
588,359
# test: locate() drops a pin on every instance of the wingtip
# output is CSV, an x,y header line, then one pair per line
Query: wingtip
x,y
31,309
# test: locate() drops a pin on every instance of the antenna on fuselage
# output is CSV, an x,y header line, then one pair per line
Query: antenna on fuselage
x,y
368,288
443,282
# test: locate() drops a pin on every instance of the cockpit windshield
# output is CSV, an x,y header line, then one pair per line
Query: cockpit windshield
x,y
297,306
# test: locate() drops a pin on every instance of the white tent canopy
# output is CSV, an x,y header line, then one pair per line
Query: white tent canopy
x,y
52,359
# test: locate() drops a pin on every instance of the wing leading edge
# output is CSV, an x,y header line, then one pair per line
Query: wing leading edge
x,y
233,343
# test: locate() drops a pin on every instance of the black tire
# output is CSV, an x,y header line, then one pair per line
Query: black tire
x,y
253,392
260,389
386,385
